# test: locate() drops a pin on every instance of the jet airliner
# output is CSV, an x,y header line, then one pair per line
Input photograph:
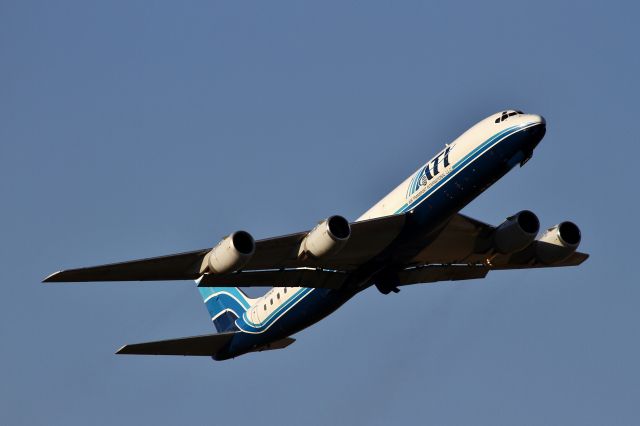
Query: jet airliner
x,y
415,234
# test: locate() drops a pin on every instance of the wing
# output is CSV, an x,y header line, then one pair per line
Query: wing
x,y
461,251
368,238
181,266
465,240
271,256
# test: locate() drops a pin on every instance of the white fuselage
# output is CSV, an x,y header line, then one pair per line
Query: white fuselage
x,y
459,149
438,189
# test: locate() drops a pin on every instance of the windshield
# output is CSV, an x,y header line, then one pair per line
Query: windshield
x,y
506,114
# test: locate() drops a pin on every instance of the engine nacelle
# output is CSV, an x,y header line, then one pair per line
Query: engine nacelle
x,y
328,237
231,254
558,242
516,233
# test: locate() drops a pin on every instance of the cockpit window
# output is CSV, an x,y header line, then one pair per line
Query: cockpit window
x,y
507,114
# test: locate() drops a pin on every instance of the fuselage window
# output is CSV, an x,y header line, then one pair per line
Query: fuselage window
x,y
265,306
278,295
271,301
285,290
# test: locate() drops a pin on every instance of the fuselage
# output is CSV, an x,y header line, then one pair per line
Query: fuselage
x,y
431,195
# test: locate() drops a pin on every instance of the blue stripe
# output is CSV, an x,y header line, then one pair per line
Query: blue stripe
x,y
469,158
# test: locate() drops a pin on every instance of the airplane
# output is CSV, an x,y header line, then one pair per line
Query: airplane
x,y
413,235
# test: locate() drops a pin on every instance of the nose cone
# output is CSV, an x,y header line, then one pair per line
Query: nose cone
x,y
539,119
538,130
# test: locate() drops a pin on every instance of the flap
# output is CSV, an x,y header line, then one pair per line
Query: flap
x,y
435,273
278,278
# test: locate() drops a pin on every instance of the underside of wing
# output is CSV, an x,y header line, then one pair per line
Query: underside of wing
x,y
528,259
465,240
368,238
466,249
266,265
181,266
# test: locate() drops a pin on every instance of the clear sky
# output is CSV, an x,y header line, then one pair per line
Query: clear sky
x,y
132,129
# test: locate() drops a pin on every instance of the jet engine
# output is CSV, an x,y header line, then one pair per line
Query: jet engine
x,y
326,238
231,254
558,242
516,233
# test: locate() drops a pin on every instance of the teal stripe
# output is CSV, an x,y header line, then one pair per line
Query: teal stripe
x,y
206,292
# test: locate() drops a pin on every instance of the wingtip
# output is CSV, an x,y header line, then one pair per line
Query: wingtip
x,y
121,351
52,278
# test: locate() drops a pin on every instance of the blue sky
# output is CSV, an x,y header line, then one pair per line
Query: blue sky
x,y
134,129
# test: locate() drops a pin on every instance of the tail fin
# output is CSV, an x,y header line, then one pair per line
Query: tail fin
x,y
225,304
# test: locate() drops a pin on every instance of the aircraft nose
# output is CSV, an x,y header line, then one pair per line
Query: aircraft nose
x,y
538,130
539,119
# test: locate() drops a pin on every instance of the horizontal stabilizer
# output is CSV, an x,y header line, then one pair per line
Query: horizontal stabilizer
x,y
206,345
